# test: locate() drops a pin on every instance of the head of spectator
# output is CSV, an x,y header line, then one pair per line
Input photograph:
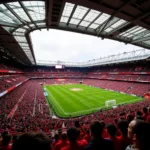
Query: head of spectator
x,y
96,130
1,138
31,141
139,133
59,132
145,111
149,110
123,127
72,134
129,118
64,136
139,117
139,113
112,130
4,133
116,121
6,139
56,137
103,124
87,131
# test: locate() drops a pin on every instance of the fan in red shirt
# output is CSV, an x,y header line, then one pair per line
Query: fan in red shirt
x,y
87,136
104,133
124,140
74,144
148,118
145,113
63,142
57,140
112,131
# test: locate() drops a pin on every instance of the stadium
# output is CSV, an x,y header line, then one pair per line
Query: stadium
x,y
62,100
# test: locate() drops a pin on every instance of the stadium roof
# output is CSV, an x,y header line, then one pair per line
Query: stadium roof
x,y
127,21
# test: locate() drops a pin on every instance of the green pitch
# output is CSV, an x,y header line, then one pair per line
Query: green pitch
x,y
78,99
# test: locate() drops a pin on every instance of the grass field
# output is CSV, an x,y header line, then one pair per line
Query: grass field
x,y
78,99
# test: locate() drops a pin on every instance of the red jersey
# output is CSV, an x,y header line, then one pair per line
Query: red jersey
x,y
125,141
74,146
148,119
116,143
61,144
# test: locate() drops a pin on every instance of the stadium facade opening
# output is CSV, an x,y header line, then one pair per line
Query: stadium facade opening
x,y
54,45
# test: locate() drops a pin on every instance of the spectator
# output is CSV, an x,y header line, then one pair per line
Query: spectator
x,y
32,141
87,136
148,118
139,117
139,133
57,140
81,140
72,134
123,128
129,118
63,142
112,131
145,113
104,133
139,113
97,141
6,142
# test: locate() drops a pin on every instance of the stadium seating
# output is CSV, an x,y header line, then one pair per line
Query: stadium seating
x,y
7,81
8,67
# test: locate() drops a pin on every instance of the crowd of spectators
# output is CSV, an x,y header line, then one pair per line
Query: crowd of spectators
x,y
24,114
7,81
131,134
135,88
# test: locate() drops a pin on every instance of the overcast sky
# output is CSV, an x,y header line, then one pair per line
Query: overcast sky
x,y
68,46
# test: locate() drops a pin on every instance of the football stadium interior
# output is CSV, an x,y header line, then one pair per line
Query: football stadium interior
x,y
52,96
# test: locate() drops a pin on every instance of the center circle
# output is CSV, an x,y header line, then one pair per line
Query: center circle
x,y
76,89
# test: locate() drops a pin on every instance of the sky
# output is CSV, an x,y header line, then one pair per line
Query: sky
x,y
54,45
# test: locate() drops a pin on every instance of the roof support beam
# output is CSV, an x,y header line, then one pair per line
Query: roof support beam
x,y
10,16
16,15
48,6
134,21
30,46
74,8
94,20
24,8
141,35
84,17
141,39
103,26
21,26
3,23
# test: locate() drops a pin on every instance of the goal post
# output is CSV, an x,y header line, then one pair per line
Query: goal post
x,y
109,103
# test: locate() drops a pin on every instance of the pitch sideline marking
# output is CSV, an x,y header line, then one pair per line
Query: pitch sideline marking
x,y
56,102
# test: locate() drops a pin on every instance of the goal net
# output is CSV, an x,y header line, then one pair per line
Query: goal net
x,y
109,103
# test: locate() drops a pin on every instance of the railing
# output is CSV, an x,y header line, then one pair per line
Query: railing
x,y
121,57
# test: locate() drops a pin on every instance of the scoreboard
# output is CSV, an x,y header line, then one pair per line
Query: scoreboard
x,y
59,66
